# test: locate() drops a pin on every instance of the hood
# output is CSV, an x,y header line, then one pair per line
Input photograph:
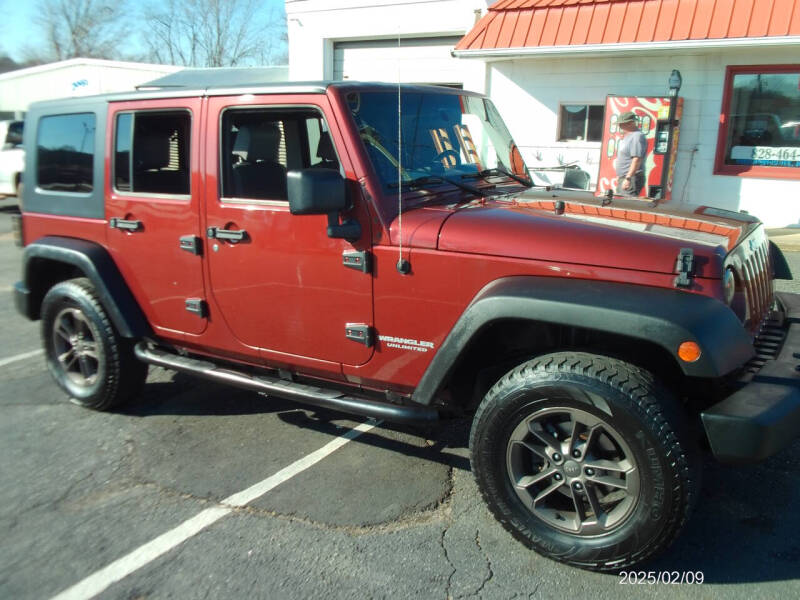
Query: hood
x,y
626,234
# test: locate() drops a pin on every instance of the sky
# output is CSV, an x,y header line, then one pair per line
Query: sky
x,y
18,24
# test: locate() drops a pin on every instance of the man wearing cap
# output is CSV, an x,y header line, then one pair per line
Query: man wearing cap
x,y
630,156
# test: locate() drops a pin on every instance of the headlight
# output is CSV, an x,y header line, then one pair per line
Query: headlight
x,y
729,285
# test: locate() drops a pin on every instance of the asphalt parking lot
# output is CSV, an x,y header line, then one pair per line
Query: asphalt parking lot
x,y
393,512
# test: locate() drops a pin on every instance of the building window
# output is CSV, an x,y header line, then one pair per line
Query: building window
x,y
65,153
581,123
151,153
759,133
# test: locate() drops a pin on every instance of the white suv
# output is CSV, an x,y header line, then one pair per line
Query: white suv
x,y
12,158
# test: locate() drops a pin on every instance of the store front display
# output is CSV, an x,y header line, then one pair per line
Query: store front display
x,y
760,132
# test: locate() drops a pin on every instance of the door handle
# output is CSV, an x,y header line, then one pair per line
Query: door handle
x,y
117,223
230,235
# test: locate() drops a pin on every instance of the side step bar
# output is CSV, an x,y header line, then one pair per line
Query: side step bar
x,y
290,390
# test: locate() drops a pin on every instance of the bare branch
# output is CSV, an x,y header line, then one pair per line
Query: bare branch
x,y
78,28
213,33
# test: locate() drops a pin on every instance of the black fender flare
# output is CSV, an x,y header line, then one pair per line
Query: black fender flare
x,y
779,263
96,264
661,316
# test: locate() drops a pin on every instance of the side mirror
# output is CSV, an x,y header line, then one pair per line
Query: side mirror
x,y
316,192
322,192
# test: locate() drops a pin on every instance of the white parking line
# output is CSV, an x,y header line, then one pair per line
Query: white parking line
x,y
17,357
122,567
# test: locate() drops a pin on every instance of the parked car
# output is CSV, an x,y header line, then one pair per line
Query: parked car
x,y
311,241
12,158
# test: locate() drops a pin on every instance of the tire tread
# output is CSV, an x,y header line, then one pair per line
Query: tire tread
x,y
124,374
664,419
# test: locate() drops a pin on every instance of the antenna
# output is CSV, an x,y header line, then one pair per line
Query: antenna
x,y
403,266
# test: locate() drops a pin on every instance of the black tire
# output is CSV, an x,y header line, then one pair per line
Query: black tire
x,y
629,495
85,355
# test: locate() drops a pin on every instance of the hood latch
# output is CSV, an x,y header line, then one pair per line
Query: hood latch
x,y
684,267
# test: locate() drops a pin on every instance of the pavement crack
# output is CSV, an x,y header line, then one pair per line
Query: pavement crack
x,y
53,503
175,493
447,594
405,522
438,512
489,570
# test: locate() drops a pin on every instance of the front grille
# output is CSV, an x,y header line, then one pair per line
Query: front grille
x,y
757,279
767,344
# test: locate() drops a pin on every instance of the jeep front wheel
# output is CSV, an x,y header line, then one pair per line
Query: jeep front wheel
x,y
85,354
585,459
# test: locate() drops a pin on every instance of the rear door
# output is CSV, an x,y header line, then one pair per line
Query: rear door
x,y
152,207
278,280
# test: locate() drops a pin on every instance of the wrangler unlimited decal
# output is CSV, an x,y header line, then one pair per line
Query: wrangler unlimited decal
x,y
406,343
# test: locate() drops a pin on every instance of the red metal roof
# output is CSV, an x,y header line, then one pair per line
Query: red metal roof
x,y
540,23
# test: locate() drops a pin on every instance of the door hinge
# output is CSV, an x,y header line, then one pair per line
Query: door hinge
x,y
358,260
358,332
197,306
684,267
191,243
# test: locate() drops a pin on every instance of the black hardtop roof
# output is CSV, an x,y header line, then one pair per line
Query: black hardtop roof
x,y
214,77
230,81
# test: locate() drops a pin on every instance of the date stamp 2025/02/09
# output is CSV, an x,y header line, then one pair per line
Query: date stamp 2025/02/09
x,y
665,577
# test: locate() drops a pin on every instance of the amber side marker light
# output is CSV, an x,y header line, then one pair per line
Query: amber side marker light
x,y
689,352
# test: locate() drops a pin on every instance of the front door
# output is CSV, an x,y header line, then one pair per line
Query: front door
x,y
153,204
277,279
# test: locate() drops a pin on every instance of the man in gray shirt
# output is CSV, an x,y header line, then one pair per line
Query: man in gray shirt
x,y
630,156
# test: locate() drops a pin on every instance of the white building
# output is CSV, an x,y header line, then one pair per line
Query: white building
x,y
358,39
540,58
77,76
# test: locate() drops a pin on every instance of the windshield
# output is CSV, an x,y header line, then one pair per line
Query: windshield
x,y
446,138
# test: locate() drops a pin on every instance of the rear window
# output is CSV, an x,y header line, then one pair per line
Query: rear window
x,y
65,153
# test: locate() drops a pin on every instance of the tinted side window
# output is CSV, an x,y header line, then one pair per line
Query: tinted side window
x,y
14,135
258,146
151,153
65,153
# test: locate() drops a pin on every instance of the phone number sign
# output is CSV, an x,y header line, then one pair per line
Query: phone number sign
x,y
766,155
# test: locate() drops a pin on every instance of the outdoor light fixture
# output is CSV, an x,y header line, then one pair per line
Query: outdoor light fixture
x,y
675,81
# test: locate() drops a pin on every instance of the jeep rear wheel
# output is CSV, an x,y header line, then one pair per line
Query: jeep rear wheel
x,y
85,354
585,459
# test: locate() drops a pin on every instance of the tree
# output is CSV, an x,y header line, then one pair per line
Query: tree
x,y
214,33
78,28
8,64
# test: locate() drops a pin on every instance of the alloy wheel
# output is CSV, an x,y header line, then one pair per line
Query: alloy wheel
x,y
573,470
75,346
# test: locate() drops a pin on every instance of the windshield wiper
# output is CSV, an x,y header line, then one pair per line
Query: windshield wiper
x,y
498,171
426,180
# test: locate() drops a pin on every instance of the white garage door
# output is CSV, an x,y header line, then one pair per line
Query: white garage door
x,y
418,60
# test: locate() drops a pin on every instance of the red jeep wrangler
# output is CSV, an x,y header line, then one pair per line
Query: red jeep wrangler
x,y
383,251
